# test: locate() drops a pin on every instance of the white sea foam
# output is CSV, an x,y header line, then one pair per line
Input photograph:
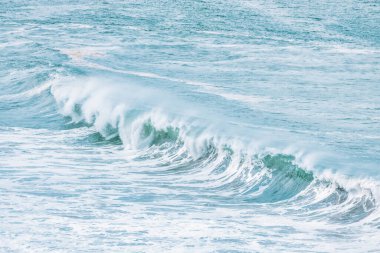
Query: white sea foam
x,y
202,126
28,93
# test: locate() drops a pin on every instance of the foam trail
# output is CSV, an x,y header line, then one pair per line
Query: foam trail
x,y
28,93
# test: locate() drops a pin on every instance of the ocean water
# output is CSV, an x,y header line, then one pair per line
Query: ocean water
x,y
189,126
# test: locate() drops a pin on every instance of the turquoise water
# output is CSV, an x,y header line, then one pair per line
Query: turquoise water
x,y
189,126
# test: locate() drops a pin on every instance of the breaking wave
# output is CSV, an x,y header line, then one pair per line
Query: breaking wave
x,y
210,157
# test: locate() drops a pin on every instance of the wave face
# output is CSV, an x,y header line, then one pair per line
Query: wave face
x,y
189,126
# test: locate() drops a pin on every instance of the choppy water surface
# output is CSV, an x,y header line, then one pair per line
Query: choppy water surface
x,y
189,126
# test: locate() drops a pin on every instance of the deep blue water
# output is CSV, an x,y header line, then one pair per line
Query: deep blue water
x,y
189,126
